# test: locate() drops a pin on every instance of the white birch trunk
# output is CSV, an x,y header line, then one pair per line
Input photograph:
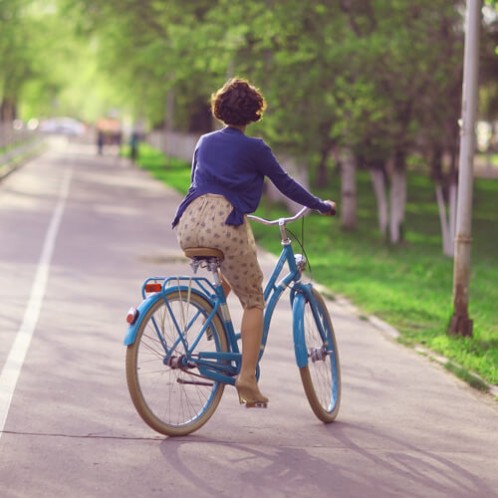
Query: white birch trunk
x,y
447,217
348,191
398,201
444,221
453,193
379,186
298,172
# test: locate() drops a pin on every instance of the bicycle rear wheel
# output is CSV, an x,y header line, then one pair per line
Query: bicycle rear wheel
x,y
321,376
174,399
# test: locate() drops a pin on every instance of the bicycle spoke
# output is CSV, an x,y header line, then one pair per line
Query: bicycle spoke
x,y
166,387
321,375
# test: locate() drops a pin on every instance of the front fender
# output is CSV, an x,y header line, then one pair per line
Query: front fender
x,y
143,308
298,303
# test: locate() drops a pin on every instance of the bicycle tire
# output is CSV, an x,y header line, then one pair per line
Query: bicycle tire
x,y
321,377
173,401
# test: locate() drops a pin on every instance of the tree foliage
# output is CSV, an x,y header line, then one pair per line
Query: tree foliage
x,y
382,78
367,75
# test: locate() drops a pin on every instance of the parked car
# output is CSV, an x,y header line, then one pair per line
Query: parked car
x,y
63,126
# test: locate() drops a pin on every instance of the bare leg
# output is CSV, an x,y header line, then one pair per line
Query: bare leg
x,y
225,284
251,331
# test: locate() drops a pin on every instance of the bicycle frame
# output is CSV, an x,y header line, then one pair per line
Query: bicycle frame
x,y
220,366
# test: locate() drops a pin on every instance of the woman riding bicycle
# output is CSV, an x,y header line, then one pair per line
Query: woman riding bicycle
x,y
228,172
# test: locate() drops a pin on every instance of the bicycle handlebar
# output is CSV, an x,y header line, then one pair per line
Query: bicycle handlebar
x,y
281,221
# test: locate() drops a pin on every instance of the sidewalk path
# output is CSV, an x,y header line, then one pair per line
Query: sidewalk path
x,y
406,428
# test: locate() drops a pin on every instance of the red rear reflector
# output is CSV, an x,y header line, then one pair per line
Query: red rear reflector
x,y
153,287
132,316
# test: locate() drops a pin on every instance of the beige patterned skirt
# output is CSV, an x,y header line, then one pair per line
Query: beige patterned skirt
x,y
203,225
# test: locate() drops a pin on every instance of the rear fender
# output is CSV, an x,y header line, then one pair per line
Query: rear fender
x,y
146,304
143,308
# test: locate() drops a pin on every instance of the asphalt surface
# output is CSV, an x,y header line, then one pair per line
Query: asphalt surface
x,y
78,234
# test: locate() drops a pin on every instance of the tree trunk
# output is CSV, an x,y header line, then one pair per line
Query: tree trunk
x,y
378,178
445,176
7,116
321,171
398,202
445,221
169,113
453,191
299,172
7,110
348,192
169,119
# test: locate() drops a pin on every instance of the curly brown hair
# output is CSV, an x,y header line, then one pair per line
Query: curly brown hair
x,y
238,103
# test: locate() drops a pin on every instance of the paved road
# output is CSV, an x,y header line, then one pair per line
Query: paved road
x,y
78,234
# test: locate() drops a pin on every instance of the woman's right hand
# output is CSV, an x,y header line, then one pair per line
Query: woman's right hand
x,y
333,210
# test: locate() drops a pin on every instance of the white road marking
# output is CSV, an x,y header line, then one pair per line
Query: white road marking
x,y
13,365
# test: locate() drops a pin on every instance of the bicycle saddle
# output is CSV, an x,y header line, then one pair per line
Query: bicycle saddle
x,y
203,253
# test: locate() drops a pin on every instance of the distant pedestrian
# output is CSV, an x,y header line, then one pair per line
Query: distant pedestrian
x,y
134,146
100,142
118,140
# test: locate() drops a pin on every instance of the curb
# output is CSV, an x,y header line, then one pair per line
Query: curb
x,y
478,382
472,379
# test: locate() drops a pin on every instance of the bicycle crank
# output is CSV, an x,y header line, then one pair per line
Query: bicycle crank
x,y
195,382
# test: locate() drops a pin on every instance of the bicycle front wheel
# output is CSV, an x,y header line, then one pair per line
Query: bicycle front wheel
x,y
166,388
321,376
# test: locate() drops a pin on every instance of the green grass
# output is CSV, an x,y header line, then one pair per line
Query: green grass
x,y
408,286
485,159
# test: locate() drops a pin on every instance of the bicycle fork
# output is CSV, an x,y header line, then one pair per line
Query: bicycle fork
x,y
303,354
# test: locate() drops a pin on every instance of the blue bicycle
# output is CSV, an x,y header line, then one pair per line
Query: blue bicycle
x,y
182,349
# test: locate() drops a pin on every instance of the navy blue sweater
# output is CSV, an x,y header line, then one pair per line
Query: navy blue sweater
x,y
230,163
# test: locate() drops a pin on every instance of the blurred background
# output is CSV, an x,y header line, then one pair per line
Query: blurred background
x,y
377,83
364,101
381,78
